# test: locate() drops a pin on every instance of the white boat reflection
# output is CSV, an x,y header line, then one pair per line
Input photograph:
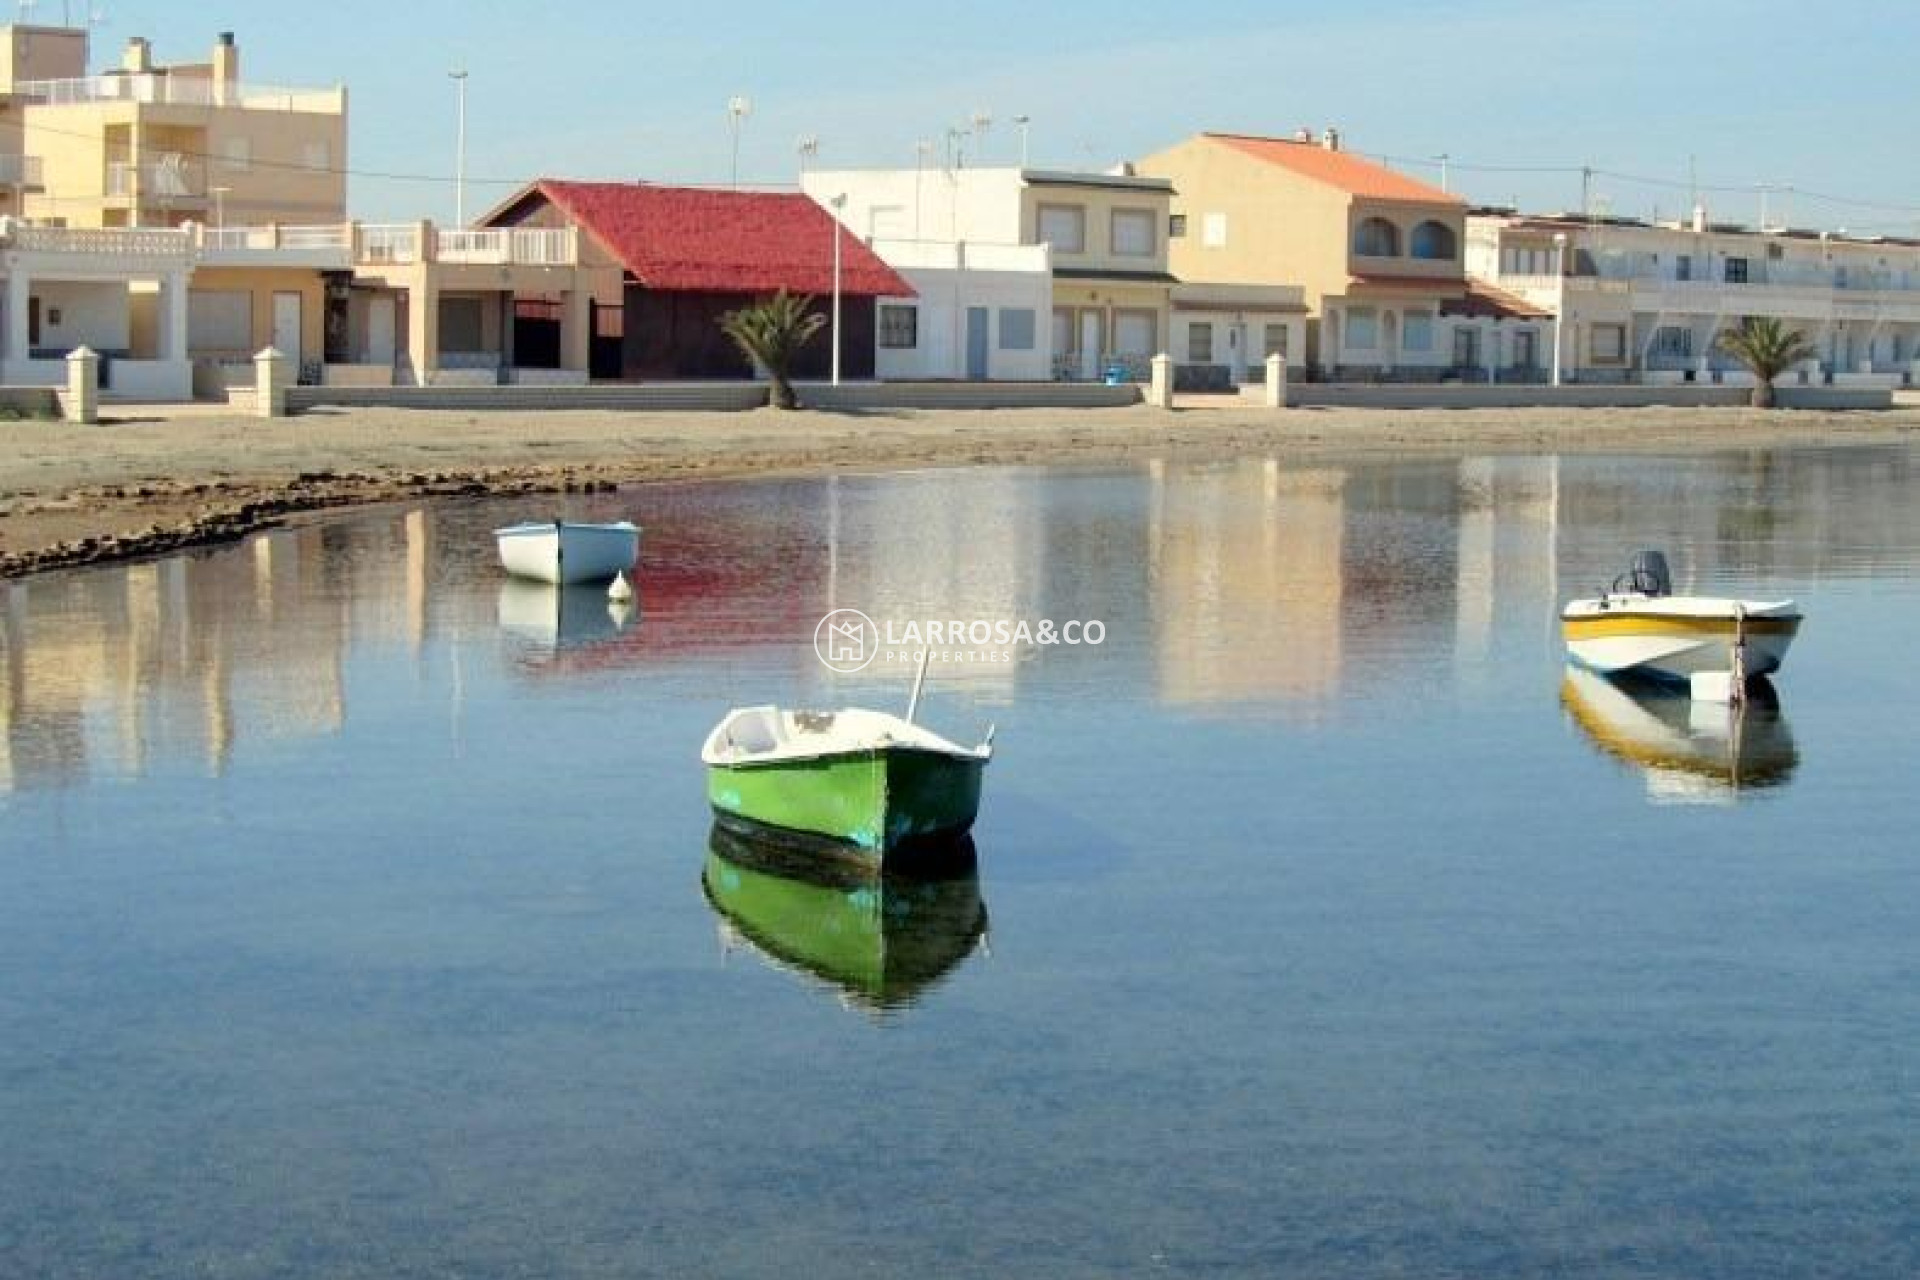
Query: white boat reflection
x,y
1691,752
550,618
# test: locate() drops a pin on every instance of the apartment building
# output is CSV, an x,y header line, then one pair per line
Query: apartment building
x,y
1109,300
1375,255
150,145
1645,301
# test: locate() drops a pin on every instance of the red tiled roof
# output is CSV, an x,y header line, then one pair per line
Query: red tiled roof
x,y
1485,300
1341,169
695,239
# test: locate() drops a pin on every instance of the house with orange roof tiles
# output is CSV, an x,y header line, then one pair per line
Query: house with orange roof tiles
x,y
1376,255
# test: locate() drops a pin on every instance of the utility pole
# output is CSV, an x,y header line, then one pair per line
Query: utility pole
x,y
1025,122
1586,192
738,109
1445,184
459,78
839,203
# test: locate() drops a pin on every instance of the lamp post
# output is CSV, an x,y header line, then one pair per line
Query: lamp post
x,y
1025,122
219,195
459,78
1560,298
921,150
738,109
839,204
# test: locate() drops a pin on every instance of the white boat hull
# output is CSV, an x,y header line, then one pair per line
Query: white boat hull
x,y
567,554
1678,637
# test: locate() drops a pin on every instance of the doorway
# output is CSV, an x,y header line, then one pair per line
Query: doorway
x,y
977,344
286,326
380,330
1093,333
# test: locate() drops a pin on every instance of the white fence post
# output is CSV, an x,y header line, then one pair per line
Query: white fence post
x,y
271,372
1160,388
80,401
1276,381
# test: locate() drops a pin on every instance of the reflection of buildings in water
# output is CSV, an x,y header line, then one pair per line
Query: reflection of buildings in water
x,y
1691,752
1506,553
942,546
176,658
1246,578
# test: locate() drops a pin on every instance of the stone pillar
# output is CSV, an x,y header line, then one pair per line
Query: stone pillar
x,y
80,401
272,374
423,330
19,334
173,317
1276,381
576,329
1160,389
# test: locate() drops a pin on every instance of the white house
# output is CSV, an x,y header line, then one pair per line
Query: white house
x,y
1643,301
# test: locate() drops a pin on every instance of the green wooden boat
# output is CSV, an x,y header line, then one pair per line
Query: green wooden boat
x,y
867,787
880,941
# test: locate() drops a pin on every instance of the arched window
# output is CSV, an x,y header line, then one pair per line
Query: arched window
x,y
1376,238
1433,240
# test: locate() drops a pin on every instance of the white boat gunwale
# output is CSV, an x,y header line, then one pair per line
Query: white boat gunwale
x,y
848,733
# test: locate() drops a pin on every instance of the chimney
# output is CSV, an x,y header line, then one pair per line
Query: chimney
x,y
226,68
1699,217
138,59
1330,138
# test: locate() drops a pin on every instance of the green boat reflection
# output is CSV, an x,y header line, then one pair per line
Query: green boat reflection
x,y
880,941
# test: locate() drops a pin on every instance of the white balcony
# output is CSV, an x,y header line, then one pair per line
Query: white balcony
x,y
181,91
171,179
327,248
507,246
124,243
391,245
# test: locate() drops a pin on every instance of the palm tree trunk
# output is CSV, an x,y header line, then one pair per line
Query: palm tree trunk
x,y
1763,397
780,392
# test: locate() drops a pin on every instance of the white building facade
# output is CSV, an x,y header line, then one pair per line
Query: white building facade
x,y
1645,302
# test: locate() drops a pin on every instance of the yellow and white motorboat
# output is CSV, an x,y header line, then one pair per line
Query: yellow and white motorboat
x,y
1639,626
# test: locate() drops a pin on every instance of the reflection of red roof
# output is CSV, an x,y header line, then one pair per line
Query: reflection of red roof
x,y
695,239
1483,300
1340,169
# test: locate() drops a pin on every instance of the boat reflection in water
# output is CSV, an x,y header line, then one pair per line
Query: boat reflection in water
x,y
880,941
550,619
1692,752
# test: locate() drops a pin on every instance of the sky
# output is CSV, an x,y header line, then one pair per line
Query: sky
x,y
1818,105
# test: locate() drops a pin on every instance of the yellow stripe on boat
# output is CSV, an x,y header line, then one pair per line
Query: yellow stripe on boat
x,y
1645,624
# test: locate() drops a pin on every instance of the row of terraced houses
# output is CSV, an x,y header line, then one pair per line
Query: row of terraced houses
x,y
178,218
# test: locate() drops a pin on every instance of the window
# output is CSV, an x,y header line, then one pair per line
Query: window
x,y
1213,231
220,321
1736,270
461,326
237,154
1133,333
1064,227
1683,266
1466,348
1274,341
1363,329
1607,343
1525,348
1199,343
1673,342
1063,343
1416,331
1376,238
1176,226
1432,240
317,156
1133,233
899,326
1775,253
1016,328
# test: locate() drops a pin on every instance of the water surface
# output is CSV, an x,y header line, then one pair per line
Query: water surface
x,y
352,917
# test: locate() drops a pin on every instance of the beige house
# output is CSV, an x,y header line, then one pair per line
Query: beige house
x,y
1377,257
147,144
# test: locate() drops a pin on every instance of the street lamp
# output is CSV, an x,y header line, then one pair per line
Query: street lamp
x,y
1025,122
839,204
459,78
738,109
1560,298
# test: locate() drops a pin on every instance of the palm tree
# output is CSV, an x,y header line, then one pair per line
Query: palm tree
x,y
1768,349
771,332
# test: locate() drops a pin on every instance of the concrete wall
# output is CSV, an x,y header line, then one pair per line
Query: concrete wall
x,y
260,284
90,312
944,299
966,395
927,203
722,396
1454,396
1097,206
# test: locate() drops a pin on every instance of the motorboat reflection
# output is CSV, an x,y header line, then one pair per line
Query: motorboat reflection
x,y
879,941
1691,751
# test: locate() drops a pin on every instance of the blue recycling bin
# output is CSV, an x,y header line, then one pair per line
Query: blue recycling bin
x,y
1116,374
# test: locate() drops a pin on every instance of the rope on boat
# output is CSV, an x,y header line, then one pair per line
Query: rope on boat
x,y
1737,676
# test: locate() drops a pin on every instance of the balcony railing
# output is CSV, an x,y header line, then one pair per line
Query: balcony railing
x,y
536,246
171,178
389,245
122,242
181,91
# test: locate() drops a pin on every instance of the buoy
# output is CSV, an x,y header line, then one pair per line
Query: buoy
x,y
620,589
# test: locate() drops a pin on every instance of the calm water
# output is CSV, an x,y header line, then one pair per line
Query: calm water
x,y
352,917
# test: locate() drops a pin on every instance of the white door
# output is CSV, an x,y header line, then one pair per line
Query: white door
x,y
286,326
1090,344
379,332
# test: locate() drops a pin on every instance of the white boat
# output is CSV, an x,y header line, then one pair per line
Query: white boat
x,y
1640,626
563,552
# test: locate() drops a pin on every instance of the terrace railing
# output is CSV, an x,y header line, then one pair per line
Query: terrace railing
x,y
180,91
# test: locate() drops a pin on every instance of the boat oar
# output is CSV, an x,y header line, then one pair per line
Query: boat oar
x,y
919,682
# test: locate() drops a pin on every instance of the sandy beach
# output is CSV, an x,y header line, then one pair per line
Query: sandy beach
x,y
141,483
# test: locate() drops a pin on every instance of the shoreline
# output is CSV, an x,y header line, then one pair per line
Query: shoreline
x,y
150,483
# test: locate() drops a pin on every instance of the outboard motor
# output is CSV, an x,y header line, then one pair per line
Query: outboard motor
x,y
1650,575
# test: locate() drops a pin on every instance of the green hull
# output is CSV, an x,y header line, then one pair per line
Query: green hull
x,y
876,803
880,940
